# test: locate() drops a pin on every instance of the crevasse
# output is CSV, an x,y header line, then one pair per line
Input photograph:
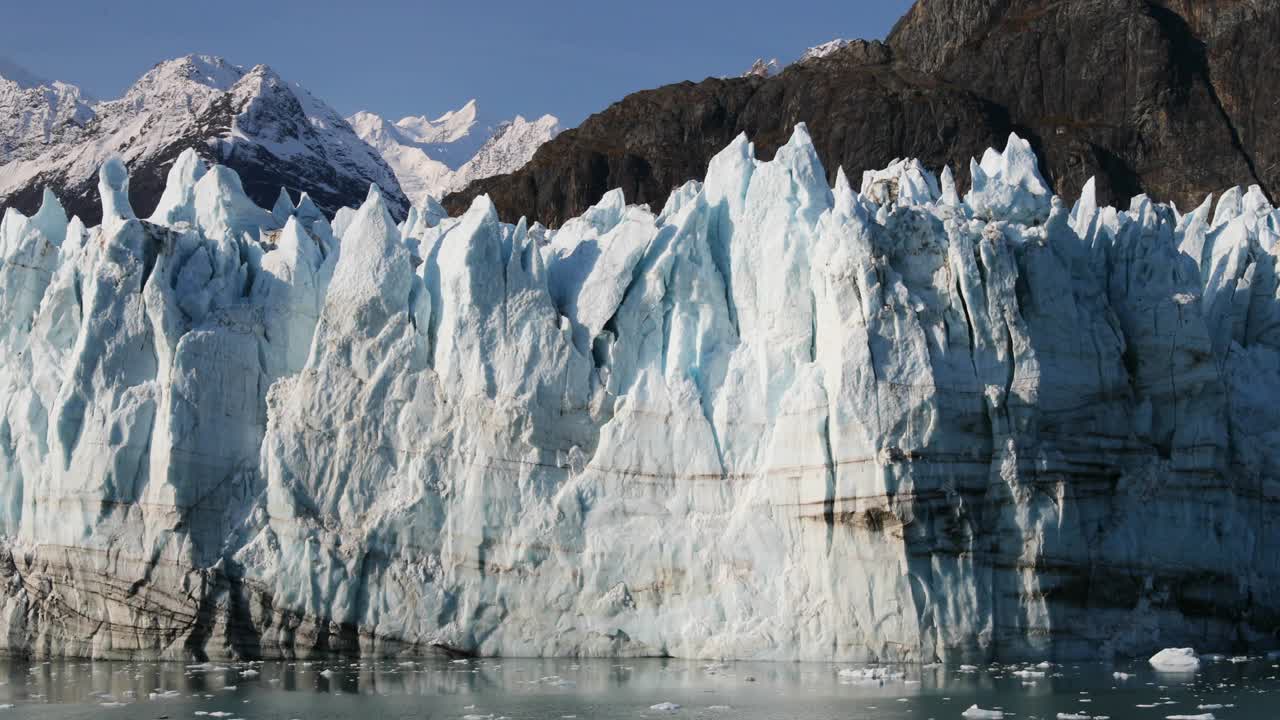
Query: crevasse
x,y
780,420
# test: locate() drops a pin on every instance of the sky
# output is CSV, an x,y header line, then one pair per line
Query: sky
x,y
425,57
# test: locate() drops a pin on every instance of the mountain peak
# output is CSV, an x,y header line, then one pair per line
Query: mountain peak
x,y
432,157
763,68
449,127
207,70
271,131
823,50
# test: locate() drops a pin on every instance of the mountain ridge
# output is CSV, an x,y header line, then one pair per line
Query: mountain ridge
x,y
273,132
432,158
1148,97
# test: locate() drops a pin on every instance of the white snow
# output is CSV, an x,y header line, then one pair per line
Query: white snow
x,y
763,68
432,158
53,131
823,50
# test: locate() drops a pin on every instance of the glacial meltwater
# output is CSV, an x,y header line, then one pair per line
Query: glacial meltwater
x,y
1223,689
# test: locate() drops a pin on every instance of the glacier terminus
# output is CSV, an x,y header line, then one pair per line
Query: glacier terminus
x,y
779,420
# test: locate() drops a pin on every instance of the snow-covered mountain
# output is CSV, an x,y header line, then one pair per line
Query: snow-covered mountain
x,y
778,420
432,158
820,51
34,114
272,132
763,68
768,68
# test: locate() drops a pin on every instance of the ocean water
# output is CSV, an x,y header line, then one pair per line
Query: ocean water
x,y
1228,689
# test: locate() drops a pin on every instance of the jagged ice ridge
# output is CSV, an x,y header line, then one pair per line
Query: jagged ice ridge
x,y
779,420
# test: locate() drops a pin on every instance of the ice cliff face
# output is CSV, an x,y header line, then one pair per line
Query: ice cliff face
x,y
779,420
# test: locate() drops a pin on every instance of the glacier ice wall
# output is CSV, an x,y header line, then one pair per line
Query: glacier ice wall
x,y
780,420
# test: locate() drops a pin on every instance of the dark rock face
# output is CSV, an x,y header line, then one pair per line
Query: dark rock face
x,y
1174,98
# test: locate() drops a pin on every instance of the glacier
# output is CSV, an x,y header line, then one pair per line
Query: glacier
x,y
779,420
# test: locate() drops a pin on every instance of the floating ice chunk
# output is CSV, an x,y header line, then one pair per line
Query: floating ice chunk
x,y
1176,660
669,707
1205,716
164,695
1121,675
1074,716
976,713
870,674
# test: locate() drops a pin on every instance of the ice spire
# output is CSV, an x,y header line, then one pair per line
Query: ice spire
x,y
113,187
51,219
177,204
283,208
950,196
1008,185
223,209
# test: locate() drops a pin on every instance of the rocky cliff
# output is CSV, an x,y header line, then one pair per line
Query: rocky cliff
x,y
1173,98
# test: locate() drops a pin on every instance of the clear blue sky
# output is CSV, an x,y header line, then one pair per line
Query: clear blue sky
x,y
402,57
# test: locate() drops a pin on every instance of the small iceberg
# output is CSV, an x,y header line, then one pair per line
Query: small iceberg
x,y
1176,660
